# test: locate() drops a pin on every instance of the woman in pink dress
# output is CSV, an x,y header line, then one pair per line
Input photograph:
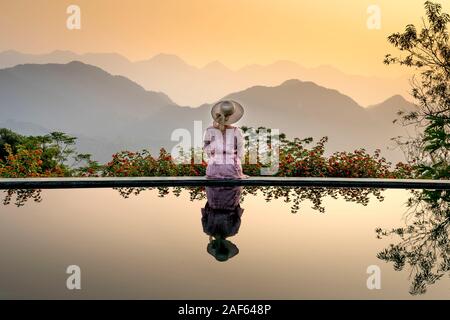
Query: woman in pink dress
x,y
221,219
224,143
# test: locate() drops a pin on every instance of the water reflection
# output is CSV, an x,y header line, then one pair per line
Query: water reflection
x,y
292,195
20,197
423,246
221,218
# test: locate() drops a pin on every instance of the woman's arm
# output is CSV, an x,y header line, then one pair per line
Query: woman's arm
x,y
207,139
240,144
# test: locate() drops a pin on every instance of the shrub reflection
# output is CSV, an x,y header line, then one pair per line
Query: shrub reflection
x,y
423,246
293,195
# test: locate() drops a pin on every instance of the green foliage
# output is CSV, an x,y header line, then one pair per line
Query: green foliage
x,y
56,148
10,138
34,156
427,50
22,163
424,245
296,158
437,144
50,155
138,164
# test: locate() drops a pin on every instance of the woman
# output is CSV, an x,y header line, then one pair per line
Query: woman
x,y
221,218
224,143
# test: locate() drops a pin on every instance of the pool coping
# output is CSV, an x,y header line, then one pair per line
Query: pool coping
x,y
122,182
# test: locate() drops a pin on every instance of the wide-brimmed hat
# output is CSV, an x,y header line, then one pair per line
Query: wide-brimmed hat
x,y
222,249
227,112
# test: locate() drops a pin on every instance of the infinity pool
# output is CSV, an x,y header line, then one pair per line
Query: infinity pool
x,y
168,244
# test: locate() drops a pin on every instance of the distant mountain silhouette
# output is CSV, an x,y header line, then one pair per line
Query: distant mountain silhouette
x,y
302,108
190,85
111,113
389,108
306,109
76,98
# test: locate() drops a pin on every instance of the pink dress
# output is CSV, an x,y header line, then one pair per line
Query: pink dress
x,y
224,152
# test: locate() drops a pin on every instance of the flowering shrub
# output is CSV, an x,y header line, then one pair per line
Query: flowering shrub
x,y
298,161
44,157
358,164
26,163
136,164
295,161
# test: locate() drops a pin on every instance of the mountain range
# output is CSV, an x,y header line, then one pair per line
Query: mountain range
x,y
190,85
110,113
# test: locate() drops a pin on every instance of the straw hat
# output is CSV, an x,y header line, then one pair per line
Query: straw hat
x,y
222,249
227,112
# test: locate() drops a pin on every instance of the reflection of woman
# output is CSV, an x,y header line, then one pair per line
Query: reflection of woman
x,y
224,143
221,218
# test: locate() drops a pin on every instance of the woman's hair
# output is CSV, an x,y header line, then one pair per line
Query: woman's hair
x,y
220,120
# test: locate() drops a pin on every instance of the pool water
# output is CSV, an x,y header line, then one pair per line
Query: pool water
x,y
157,244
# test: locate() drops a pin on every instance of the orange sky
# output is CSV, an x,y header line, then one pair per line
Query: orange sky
x,y
235,32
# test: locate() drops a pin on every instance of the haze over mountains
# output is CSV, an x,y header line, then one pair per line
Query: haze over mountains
x,y
193,86
110,113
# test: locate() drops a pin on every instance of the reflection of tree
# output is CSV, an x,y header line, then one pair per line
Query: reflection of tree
x,y
424,245
21,196
424,242
293,195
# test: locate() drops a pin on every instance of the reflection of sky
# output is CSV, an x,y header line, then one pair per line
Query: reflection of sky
x,y
151,247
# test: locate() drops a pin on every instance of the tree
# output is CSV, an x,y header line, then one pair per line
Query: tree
x,y
428,51
56,151
424,245
11,138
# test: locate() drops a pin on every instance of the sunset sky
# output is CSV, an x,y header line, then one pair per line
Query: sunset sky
x,y
235,32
